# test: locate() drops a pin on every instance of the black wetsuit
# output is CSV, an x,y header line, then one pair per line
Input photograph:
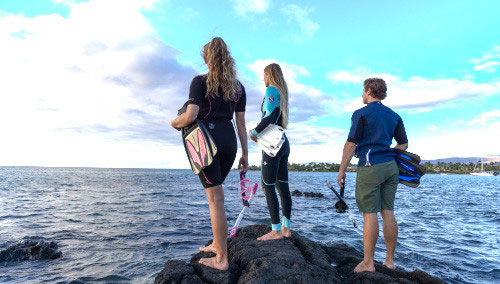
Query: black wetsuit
x,y
275,169
216,114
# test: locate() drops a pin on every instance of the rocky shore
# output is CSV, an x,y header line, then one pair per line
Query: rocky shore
x,y
293,260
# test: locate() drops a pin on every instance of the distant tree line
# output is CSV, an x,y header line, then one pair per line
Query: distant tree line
x,y
459,168
311,167
451,168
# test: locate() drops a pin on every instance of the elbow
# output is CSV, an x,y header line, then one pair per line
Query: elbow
x,y
190,119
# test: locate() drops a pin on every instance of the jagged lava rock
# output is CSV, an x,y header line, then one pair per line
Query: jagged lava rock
x,y
30,250
293,260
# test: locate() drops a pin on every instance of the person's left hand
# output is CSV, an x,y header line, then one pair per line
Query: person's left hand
x,y
243,164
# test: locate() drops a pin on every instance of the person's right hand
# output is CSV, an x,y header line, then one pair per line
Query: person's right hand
x,y
254,139
341,178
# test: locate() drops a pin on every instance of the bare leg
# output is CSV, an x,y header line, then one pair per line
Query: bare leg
x,y
370,236
215,197
390,228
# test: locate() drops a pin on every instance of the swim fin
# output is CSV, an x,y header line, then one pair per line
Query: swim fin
x,y
410,170
199,145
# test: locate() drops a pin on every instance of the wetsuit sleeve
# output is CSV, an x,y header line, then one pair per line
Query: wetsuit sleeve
x,y
242,100
357,127
195,92
270,108
400,133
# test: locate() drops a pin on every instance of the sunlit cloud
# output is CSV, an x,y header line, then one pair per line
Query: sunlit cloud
x,y
245,7
300,15
422,94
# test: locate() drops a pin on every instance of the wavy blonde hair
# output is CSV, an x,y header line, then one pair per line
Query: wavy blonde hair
x,y
221,69
277,80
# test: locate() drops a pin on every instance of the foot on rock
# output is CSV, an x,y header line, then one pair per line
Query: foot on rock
x,y
273,235
213,263
286,232
362,267
209,248
389,264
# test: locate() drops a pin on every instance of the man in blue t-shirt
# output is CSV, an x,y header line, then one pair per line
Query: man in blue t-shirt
x,y
372,130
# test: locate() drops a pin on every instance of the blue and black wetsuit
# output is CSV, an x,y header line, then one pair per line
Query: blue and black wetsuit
x,y
372,130
216,114
275,169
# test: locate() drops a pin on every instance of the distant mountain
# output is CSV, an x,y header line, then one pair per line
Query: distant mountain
x,y
486,159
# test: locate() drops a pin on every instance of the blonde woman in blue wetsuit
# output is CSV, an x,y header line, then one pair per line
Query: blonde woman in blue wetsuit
x,y
275,169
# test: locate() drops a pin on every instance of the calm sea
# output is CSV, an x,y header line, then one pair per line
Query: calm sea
x,y
121,225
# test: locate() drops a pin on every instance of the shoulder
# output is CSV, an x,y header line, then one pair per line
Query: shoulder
x,y
391,112
272,90
359,112
199,79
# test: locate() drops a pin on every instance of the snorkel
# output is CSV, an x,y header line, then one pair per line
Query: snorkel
x,y
246,194
341,205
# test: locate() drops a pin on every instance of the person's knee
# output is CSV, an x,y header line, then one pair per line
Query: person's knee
x,y
215,194
387,214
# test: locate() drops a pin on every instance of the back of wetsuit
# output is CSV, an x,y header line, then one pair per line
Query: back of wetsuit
x,y
217,113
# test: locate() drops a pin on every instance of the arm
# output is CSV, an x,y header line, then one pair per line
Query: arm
x,y
186,118
349,149
400,136
242,134
354,137
271,111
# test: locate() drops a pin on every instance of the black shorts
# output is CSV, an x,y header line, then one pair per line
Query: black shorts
x,y
222,131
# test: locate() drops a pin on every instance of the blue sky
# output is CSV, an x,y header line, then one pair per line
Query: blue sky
x,y
96,83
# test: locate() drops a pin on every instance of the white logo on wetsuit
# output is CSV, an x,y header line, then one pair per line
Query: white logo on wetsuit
x,y
271,99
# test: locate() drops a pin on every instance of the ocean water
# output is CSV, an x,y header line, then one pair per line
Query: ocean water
x,y
122,225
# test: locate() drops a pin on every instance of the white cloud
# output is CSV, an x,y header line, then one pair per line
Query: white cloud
x,y
432,128
244,7
489,66
90,87
463,142
486,118
488,61
300,15
417,92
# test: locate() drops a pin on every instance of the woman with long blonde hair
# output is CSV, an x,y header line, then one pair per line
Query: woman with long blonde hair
x,y
213,99
275,169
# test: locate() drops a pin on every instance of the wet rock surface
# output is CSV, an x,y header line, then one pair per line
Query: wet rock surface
x,y
30,250
293,260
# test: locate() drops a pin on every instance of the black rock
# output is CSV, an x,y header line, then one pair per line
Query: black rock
x,y
293,260
296,193
30,250
313,194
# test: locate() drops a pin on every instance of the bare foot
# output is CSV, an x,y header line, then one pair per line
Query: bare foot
x,y
389,264
213,263
361,267
209,248
273,235
286,232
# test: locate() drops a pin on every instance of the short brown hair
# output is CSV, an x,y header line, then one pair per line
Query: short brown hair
x,y
377,86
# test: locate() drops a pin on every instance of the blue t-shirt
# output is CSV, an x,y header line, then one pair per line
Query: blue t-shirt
x,y
372,130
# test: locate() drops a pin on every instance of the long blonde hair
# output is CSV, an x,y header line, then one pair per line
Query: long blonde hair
x,y
221,69
276,79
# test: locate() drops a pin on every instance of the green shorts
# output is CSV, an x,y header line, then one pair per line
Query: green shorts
x,y
376,187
